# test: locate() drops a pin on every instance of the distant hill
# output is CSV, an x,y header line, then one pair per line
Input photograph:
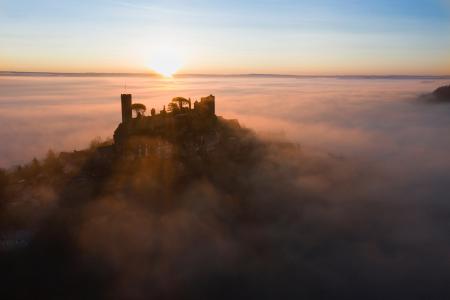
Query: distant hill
x,y
243,75
442,93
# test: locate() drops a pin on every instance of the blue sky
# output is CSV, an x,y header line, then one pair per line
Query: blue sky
x,y
283,36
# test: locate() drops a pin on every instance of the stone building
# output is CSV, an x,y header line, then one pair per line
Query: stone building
x,y
184,124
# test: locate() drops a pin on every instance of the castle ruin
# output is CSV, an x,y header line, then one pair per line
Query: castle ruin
x,y
183,121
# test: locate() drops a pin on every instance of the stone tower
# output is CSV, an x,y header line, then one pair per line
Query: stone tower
x,y
126,108
209,104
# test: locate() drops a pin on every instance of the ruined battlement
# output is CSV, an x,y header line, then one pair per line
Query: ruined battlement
x,y
183,122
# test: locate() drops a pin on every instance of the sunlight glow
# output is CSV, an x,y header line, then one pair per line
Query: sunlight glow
x,y
165,62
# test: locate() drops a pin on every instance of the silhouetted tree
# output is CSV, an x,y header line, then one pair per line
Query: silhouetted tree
x,y
181,102
173,107
52,165
35,163
153,112
33,169
95,143
30,171
3,182
139,108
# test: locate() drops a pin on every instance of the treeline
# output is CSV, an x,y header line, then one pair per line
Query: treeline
x,y
53,169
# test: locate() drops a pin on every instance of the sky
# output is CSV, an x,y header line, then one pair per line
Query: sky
x,y
322,37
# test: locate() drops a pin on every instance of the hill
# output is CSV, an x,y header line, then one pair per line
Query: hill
x,y
166,202
185,204
442,93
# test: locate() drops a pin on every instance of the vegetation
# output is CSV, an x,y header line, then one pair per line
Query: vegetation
x,y
181,102
211,213
173,107
139,109
178,214
3,183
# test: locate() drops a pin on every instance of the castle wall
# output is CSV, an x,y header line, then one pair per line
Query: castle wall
x,y
208,104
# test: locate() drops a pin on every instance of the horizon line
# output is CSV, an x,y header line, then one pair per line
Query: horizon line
x,y
143,74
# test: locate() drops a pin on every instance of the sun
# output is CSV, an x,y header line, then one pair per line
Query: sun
x,y
165,62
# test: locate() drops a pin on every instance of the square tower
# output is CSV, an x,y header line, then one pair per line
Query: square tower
x,y
126,108
209,104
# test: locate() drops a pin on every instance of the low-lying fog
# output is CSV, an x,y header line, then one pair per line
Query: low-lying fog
x,y
383,167
378,121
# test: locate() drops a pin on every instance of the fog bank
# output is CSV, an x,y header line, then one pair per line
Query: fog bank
x,y
359,210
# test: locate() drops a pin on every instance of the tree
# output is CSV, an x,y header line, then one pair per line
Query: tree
x,y
139,108
173,107
34,168
95,143
3,182
51,164
181,102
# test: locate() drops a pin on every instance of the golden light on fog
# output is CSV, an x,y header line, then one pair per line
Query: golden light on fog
x,y
165,62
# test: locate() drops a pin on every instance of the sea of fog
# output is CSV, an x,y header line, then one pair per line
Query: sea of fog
x,y
363,208
380,123
369,119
